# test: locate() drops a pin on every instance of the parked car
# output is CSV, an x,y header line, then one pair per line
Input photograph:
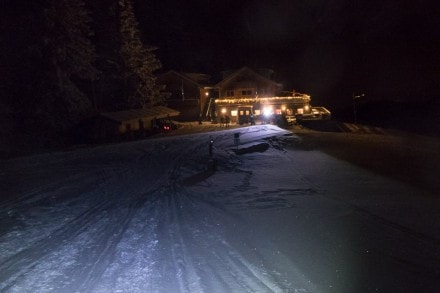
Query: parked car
x,y
162,125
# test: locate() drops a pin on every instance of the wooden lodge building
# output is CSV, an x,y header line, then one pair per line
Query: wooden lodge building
x,y
242,93
246,92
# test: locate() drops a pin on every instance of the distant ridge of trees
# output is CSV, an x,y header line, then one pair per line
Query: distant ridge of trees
x,y
62,61
412,116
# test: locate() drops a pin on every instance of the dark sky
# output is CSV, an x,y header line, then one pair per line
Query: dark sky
x,y
327,48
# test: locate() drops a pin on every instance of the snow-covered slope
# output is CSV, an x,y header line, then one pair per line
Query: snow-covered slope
x,y
160,215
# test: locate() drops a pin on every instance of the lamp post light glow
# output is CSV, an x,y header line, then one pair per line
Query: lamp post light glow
x,y
267,111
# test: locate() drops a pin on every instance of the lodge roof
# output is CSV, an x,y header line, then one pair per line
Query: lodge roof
x,y
243,70
144,113
198,79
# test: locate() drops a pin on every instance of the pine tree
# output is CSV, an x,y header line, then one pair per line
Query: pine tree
x,y
110,88
140,61
71,50
49,60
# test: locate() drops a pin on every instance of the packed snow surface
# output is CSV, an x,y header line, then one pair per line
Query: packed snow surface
x,y
161,215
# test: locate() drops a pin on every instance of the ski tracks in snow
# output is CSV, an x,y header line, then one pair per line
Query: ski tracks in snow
x,y
65,243
196,255
130,225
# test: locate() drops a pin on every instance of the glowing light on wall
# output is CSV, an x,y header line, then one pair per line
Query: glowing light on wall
x,y
267,111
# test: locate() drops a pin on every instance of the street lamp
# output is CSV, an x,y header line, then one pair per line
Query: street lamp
x,y
203,101
354,105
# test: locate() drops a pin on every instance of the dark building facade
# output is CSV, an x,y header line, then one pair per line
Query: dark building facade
x,y
187,92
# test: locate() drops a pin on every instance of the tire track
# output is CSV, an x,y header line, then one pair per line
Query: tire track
x,y
100,225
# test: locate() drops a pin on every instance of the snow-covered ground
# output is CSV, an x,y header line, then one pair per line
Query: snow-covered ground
x,y
160,215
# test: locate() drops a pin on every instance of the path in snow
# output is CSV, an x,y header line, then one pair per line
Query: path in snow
x,y
151,216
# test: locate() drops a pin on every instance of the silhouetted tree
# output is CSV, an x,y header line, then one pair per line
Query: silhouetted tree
x,y
48,57
70,50
140,61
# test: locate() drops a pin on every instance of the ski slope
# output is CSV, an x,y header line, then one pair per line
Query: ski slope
x,y
160,215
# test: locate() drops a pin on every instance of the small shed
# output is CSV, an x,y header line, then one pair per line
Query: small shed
x,y
126,121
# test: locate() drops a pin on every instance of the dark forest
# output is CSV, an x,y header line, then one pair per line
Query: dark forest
x,y
63,62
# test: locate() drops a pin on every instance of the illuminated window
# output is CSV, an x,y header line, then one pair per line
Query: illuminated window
x,y
234,113
257,112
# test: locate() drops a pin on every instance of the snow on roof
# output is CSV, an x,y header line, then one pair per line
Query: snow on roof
x,y
134,114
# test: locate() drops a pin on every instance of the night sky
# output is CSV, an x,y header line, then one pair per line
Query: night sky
x,y
388,49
